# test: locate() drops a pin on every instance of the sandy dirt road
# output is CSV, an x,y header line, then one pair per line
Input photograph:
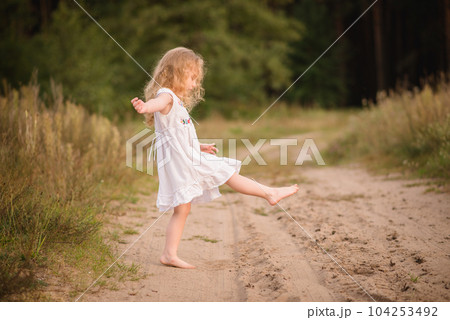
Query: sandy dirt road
x,y
389,234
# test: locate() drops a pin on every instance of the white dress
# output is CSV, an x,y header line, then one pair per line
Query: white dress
x,y
185,173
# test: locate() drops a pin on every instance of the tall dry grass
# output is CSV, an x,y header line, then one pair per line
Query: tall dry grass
x,y
56,165
403,129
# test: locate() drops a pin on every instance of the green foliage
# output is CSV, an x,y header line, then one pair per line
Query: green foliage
x,y
75,52
324,83
244,43
254,49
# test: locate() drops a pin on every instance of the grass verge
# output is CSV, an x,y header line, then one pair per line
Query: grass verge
x,y
404,131
59,168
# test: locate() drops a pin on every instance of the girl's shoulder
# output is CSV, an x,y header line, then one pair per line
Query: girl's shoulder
x,y
166,90
169,91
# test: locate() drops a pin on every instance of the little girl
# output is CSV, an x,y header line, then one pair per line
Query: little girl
x,y
189,172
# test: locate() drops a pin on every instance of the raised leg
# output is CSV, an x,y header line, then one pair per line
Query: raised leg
x,y
248,186
173,237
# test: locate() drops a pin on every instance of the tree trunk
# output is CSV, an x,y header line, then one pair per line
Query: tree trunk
x,y
339,24
379,47
447,34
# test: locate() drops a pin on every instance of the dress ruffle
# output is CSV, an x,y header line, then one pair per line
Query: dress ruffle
x,y
204,190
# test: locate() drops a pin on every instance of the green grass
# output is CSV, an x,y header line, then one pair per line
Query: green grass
x,y
60,168
413,278
114,235
281,121
260,212
140,209
404,131
130,231
203,238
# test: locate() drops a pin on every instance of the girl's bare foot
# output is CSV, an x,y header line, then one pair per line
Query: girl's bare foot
x,y
276,194
175,262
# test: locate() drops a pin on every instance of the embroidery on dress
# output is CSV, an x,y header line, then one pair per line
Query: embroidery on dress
x,y
186,121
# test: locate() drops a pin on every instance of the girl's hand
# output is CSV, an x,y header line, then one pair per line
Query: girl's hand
x,y
209,148
139,105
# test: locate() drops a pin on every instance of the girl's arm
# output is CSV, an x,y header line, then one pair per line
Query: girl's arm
x,y
159,103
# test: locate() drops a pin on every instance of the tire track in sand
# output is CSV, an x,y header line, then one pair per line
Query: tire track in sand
x,y
239,256
371,225
271,266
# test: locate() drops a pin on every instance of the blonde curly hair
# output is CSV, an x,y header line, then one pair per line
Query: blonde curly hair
x,y
171,72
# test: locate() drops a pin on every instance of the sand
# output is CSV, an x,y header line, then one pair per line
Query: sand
x,y
389,234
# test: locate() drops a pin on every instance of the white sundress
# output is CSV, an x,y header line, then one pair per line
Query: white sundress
x,y
185,173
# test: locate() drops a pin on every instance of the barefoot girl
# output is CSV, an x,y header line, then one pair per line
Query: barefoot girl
x,y
189,172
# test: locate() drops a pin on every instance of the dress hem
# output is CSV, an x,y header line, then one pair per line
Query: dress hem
x,y
209,194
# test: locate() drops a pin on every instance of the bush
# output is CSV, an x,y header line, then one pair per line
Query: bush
x,y
55,159
408,129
